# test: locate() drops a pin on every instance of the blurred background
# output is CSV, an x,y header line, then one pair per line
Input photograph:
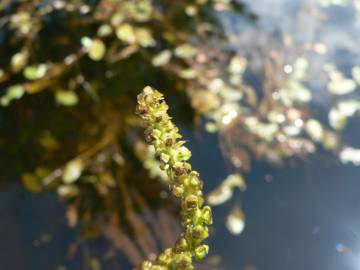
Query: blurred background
x,y
265,92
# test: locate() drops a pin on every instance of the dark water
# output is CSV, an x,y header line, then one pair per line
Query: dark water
x,y
297,221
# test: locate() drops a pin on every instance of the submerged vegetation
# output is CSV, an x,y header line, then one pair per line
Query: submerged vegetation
x,y
70,72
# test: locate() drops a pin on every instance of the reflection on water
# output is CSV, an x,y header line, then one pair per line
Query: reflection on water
x,y
295,221
303,215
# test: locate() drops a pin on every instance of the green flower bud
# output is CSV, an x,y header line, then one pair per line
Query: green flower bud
x,y
199,233
181,245
164,158
201,251
206,215
184,153
183,261
169,142
179,168
191,202
141,109
178,191
146,265
165,258
194,183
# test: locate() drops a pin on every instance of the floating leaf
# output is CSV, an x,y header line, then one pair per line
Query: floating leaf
x,y
32,183
298,92
117,19
4,101
349,107
185,51
235,180
125,32
66,98
205,101
326,3
48,141
350,155
19,61
21,21
237,65
161,58
144,37
337,120
15,92
301,66
72,171
315,130
341,86
344,109
191,10
356,74
68,191
188,73
86,42
330,141
104,30
35,72
142,11
235,221
219,195
97,50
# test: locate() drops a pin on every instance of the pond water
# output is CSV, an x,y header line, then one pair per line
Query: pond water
x,y
304,215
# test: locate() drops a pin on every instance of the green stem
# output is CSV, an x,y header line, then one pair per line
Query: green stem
x,y
184,184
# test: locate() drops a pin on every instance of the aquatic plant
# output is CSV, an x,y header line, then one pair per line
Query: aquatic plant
x,y
184,184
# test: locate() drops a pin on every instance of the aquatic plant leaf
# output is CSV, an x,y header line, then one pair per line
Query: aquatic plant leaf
x,y
327,3
15,91
298,92
337,120
161,58
142,11
235,180
315,129
341,86
235,220
144,37
104,30
350,155
188,73
237,65
68,191
219,195
66,97
355,71
117,18
301,67
125,32
72,171
205,101
18,61
32,182
35,72
97,50
339,114
185,51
